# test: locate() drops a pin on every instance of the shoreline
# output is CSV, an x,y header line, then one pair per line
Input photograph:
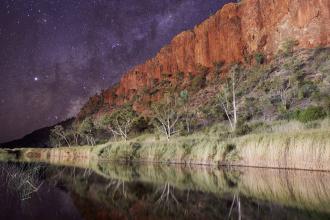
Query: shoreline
x,y
309,150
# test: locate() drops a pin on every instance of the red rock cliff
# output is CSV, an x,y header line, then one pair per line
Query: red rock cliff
x,y
234,33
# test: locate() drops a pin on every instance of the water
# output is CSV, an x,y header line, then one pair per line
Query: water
x,y
108,191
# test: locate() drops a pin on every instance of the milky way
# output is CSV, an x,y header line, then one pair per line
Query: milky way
x,y
56,53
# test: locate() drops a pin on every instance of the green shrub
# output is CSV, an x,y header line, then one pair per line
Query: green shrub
x,y
259,58
283,111
309,114
242,129
229,148
254,77
293,64
288,46
249,108
307,90
212,111
230,153
299,77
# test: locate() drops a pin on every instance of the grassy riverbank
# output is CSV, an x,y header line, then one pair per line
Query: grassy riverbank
x,y
282,145
308,149
286,146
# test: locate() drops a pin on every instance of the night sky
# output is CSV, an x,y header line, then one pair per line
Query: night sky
x,y
56,53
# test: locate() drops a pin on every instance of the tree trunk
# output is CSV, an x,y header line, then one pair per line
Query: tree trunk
x,y
239,208
67,141
234,105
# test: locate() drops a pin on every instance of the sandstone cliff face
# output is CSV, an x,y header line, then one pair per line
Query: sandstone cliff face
x,y
234,33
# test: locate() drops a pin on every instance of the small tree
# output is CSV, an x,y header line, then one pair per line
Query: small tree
x,y
166,115
282,89
120,122
259,58
180,76
86,129
266,107
73,133
58,133
227,96
288,46
187,114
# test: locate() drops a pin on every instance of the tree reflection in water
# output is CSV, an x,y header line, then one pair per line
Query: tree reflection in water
x,y
22,179
114,187
167,198
167,192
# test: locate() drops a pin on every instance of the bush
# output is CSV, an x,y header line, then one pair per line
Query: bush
x,y
229,148
299,77
141,125
242,129
309,114
250,108
230,153
212,112
259,57
326,104
259,127
307,90
180,76
198,82
288,46
218,66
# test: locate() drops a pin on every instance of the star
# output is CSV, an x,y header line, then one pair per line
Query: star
x,y
115,45
36,78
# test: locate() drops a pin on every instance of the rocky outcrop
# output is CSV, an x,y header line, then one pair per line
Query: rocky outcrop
x,y
235,33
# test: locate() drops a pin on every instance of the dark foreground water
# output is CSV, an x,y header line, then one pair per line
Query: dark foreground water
x,y
107,191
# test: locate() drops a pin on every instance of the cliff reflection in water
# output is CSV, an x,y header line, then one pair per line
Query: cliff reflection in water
x,y
108,191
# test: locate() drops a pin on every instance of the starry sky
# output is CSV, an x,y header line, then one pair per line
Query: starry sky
x,y
54,54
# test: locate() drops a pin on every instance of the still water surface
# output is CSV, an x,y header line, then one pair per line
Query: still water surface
x,y
108,191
